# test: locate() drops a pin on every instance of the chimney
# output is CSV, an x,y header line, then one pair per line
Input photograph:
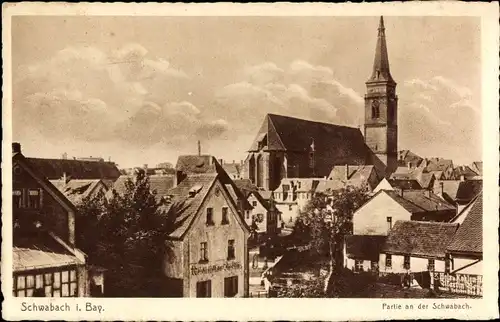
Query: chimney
x,y
16,147
462,177
64,156
65,178
442,188
199,147
221,161
346,171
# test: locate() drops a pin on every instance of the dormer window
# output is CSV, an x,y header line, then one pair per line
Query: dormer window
x,y
194,190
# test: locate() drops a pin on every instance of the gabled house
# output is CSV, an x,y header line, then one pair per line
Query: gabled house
x,y
234,170
406,158
464,172
264,218
416,246
361,252
466,247
357,176
457,192
378,215
445,166
46,259
209,254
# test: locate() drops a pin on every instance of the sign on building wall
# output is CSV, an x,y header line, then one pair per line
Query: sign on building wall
x,y
210,269
467,284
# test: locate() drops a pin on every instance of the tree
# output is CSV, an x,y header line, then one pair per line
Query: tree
x,y
127,235
326,220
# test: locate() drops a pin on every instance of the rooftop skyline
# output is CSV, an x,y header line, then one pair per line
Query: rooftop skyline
x,y
114,90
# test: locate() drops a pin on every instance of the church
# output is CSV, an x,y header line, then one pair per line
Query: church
x,y
287,147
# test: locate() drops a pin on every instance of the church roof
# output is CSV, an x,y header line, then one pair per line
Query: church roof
x,y
332,144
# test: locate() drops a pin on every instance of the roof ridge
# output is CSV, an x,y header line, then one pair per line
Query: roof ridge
x,y
311,121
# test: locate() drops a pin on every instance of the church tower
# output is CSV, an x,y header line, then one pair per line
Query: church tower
x,y
381,107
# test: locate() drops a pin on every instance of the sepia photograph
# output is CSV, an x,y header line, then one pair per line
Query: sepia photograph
x,y
246,156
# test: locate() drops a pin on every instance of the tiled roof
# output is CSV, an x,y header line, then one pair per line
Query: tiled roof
x,y
416,201
465,171
196,164
438,164
477,167
333,144
232,168
366,247
406,156
469,236
418,238
55,169
76,189
299,184
40,251
246,186
186,207
450,187
159,183
468,189
357,175
406,184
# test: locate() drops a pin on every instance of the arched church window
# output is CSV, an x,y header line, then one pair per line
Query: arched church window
x,y
378,74
375,109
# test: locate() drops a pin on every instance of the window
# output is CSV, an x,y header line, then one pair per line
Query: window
x,y
358,265
49,284
374,266
17,198
34,198
388,260
230,286
431,265
230,249
204,289
247,214
225,219
389,223
210,216
406,264
254,203
289,207
203,252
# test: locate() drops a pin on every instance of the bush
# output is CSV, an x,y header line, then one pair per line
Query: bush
x,y
391,279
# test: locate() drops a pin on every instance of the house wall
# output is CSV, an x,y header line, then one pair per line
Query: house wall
x,y
218,266
51,213
289,212
417,264
350,263
257,209
459,262
371,218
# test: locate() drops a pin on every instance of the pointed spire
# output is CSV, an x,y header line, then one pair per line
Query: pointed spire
x,y
381,70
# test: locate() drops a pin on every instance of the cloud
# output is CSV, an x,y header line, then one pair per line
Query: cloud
x,y
93,95
300,89
437,113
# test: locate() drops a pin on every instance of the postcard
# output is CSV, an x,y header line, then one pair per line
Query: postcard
x,y
304,161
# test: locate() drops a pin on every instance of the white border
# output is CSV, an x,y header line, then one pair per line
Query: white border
x,y
272,309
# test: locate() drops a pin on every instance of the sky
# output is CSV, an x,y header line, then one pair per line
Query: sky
x,y
144,90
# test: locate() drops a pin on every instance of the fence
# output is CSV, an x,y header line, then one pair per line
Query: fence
x,y
466,284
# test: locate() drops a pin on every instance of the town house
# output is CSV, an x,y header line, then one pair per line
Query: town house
x,y
209,251
46,260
